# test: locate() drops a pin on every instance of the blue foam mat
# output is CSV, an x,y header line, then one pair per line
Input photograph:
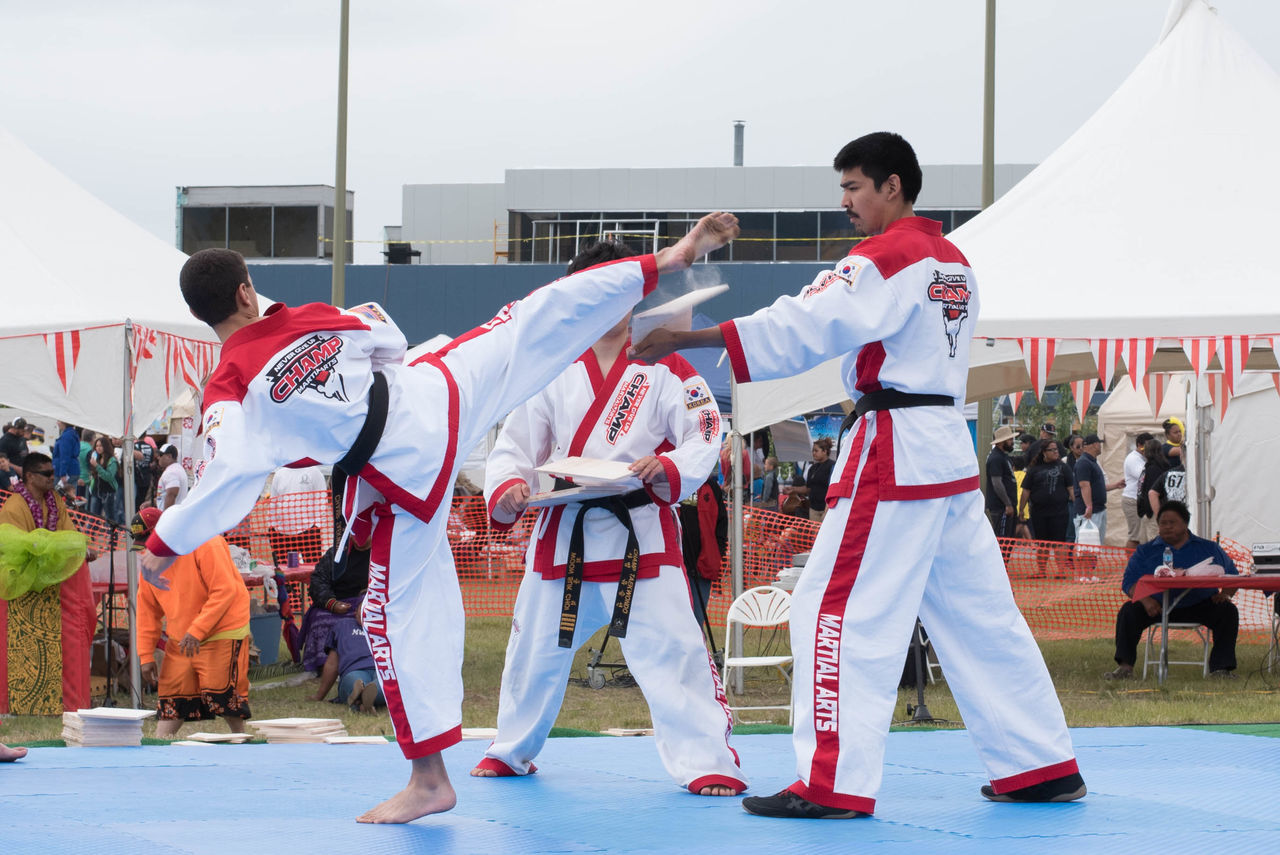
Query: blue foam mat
x,y
1160,790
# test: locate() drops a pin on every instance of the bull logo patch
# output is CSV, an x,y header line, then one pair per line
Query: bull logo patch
x,y
952,291
310,364
625,406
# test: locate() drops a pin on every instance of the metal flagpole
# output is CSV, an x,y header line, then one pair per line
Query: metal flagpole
x,y
131,559
735,516
339,296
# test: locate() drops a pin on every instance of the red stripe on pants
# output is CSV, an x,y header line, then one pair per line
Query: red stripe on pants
x,y
827,636
375,623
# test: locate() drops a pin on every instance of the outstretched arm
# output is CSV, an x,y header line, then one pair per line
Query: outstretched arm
x,y
707,235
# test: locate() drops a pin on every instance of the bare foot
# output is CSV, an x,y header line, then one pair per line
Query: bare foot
x,y
8,755
708,234
478,772
718,790
428,792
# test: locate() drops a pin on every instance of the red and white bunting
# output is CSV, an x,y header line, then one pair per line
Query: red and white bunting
x,y
1235,353
1037,353
64,347
1218,389
1155,385
186,361
1105,351
1137,356
1082,391
1275,378
1275,347
1199,352
144,347
1015,400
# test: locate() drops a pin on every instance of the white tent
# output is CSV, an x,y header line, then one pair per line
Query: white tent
x,y
1150,225
95,331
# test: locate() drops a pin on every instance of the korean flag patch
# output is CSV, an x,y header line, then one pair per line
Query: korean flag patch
x,y
696,395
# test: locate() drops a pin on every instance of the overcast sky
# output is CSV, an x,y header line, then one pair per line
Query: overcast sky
x,y
136,97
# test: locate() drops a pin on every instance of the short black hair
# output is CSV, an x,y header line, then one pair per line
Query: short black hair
x,y
880,155
35,457
600,252
1142,439
1179,508
209,280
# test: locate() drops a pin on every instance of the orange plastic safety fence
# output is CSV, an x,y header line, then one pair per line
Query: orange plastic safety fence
x,y
1065,591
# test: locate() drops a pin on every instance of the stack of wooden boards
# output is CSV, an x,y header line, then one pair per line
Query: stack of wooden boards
x,y
104,726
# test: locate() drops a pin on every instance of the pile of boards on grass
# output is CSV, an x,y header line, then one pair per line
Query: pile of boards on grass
x,y
332,730
104,726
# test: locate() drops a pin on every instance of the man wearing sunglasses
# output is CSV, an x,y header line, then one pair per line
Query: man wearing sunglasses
x,y
35,504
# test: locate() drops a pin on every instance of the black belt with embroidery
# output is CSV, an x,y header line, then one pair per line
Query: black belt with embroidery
x,y
620,507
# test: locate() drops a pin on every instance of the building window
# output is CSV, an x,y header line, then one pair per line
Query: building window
x,y
203,228
249,231
295,232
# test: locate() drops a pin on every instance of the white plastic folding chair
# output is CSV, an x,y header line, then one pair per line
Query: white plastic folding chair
x,y
1151,650
763,607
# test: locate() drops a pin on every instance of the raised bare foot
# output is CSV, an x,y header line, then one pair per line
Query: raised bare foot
x,y
708,234
8,755
479,772
411,803
718,790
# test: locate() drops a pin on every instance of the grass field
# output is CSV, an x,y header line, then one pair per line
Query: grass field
x,y
1076,666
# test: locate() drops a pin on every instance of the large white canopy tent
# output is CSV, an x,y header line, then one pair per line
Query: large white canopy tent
x,y
1143,240
95,332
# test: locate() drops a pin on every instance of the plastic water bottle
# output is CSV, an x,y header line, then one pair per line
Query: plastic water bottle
x,y
1168,558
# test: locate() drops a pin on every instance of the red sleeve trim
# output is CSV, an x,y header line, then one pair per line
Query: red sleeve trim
x,y
1035,776
156,546
673,478
495,523
649,266
737,358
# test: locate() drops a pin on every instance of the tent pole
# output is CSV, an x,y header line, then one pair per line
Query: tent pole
x,y
1204,492
735,517
131,559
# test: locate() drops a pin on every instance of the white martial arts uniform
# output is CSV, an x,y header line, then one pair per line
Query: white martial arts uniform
x,y
905,532
634,411
293,389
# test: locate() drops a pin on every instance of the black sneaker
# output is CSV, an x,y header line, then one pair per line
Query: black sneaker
x,y
1068,788
1224,674
787,804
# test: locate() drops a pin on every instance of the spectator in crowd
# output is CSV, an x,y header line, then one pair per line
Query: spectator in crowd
x,y
704,532
9,475
1171,486
1048,431
1155,464
1048,491
66,457
172,486
86,449
299,508
333,595
769,487
1173,435
14,441
1092,487
1134,463
205,615
1075,449
64,611
1208,607
349,662
726,476
104,481
1002,488
816,480
144,457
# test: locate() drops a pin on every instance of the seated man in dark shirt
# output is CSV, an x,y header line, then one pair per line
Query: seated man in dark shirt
x,y
333,595
1206,606
350,663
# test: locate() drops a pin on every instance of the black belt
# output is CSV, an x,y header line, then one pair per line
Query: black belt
x,y
620,507
375,421
889,399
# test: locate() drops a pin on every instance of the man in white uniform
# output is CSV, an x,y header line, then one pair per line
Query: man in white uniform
x,y
904,532
317,384
625,569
